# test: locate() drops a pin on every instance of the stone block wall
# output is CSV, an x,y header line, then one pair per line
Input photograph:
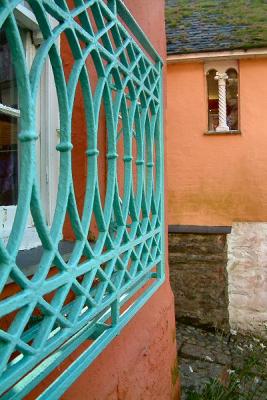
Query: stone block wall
x,y
247,272
198,273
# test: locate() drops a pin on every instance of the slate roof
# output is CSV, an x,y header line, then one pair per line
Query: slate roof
x,y
213,25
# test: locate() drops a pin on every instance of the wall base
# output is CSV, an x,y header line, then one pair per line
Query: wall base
x,y
199,278
247,272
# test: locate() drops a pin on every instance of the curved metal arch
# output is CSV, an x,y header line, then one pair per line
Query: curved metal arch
x,y
98,290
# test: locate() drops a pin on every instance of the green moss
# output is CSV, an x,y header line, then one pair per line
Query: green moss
x,y
246,17
174,335
175,373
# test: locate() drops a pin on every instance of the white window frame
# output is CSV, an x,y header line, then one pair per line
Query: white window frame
x,y
222,67
48,125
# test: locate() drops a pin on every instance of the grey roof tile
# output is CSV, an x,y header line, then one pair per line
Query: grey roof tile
x,y
213,25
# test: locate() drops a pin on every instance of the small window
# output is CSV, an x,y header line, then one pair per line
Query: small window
x,y
213,100
47,118
9,120
222,95
232,99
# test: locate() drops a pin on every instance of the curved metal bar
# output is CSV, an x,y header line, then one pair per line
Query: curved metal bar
x,y
49,315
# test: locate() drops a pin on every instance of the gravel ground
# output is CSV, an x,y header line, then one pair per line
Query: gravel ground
x,y
203,355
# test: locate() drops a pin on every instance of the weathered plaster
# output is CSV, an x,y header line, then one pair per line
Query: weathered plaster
x,y
140,364
247,276
215,180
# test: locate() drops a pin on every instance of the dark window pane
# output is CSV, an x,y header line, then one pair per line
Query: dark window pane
x,y
213,101
8,128
232,99
8,85
8,161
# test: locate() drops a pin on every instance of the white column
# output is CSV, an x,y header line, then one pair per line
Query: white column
x,y
221,78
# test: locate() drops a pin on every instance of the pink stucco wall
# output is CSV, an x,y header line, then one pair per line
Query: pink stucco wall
x,y
215,180
141,363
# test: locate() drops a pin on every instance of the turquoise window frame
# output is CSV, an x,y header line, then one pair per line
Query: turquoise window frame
x,y
125,265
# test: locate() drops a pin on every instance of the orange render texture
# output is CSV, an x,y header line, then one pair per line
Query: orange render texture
x,y
215,180
141,363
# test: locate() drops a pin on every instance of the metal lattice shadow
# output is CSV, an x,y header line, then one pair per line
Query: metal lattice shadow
x,y
103,284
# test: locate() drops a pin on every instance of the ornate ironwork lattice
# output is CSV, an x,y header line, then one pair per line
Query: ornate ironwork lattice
x,y
93,294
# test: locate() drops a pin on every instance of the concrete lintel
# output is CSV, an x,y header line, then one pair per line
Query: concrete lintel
x,y
216,55
199,229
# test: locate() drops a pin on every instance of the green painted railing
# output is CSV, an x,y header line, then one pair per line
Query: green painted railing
x,y
124,266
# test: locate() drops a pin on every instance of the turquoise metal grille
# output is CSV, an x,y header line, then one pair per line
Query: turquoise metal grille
x,y
111,278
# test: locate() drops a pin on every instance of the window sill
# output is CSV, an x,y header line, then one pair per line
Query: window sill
x,y
28,260
215,133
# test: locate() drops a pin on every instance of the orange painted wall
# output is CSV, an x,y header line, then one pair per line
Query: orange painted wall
x,y
215,180
141,363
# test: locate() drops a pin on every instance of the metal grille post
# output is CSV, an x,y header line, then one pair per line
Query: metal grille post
x,y
42,324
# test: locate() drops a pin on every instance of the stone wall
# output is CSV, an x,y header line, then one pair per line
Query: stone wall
x,y
247,272
199,278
